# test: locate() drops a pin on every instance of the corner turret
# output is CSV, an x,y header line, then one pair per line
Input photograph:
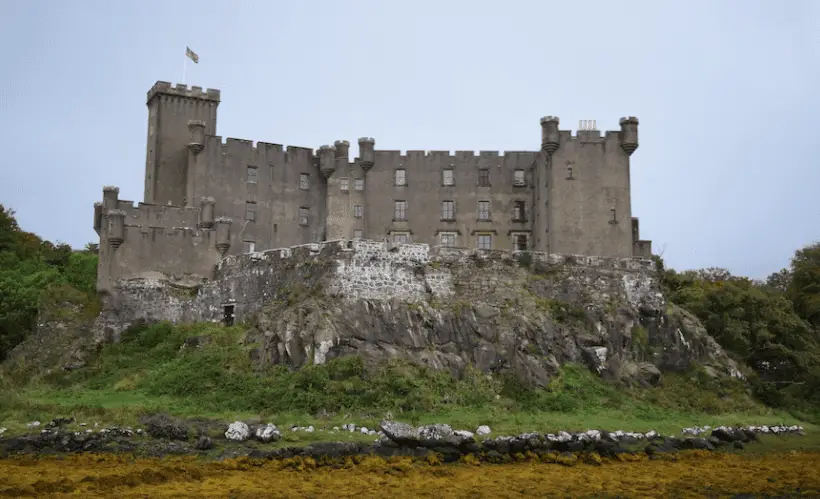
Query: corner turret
x,y
367,153
629,134
342,152
196,130
549,134
223,234
206,213
116,228
110,197
327,160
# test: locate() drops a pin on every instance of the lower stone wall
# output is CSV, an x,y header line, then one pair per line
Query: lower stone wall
x,y
353,270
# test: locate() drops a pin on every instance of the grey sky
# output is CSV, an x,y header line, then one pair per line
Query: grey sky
x,y
726,92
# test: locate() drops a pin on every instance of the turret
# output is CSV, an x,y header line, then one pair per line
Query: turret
x,y
206,213
327,160
116,228
629,134
223,234
367,152
196,131
550,138
98,214
110,197
342,153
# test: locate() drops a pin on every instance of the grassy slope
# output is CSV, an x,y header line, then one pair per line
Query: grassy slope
x,y
149,372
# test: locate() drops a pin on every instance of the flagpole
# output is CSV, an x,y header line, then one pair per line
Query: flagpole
x,y
184,67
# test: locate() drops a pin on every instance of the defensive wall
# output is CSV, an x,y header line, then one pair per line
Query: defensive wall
x,y
351,270
207,197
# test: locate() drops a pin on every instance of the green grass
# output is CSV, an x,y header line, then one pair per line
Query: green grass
x,y
149,371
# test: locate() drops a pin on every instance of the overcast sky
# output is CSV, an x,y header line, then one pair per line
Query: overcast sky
x,y
726,175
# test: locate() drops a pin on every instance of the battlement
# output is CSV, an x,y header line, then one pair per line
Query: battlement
x,y
216,146
445,158
372,252
182,90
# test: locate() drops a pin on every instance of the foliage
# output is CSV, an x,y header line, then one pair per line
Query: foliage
x,y
205,370
29,269
773,326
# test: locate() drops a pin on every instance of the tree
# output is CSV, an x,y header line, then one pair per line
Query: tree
x,y
804,288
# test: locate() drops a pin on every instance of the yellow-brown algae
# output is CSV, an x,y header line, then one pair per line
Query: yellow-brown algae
x,y
686,474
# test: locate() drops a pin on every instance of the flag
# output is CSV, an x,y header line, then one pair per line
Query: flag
x,y
191,55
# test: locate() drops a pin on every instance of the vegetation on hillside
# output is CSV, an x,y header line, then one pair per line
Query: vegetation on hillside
x,y
772,327
205,371
33,270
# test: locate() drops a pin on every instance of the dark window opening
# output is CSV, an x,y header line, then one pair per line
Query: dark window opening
x,y
519,211
521,242
227,315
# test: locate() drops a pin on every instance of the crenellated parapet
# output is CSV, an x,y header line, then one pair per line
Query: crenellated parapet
x,y
182,90
142,239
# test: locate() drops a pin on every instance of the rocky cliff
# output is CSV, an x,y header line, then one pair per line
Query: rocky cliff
x,y
447,308
492,311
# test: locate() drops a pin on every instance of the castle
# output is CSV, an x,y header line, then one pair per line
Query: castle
x,y
206,199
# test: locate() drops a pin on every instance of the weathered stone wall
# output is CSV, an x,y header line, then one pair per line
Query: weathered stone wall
x,y
353,270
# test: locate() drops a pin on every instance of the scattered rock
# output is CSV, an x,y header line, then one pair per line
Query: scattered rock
x,y
267,433
483,430
238,431
33,424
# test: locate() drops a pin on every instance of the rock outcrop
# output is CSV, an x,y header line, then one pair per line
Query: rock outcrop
x,y
445,308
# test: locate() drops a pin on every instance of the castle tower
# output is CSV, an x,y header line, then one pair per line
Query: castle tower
x,y
171,138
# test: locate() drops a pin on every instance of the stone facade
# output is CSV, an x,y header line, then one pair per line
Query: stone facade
x,y
206,198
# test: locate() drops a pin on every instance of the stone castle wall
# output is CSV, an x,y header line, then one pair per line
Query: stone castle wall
x,y
355,270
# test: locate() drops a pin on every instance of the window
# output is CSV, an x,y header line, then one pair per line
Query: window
x,y
447,177
448,210
358,210
401,237
520,242
447,239
401,177
358,184
519,211
304,181
344,184
250,211
304,219
251,174
400,210
485,241
484,177
248,246
614,217
484,210
357,234
518,178
569,173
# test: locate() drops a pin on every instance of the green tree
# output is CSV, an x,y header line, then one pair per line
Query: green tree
x,y
804,287
29,269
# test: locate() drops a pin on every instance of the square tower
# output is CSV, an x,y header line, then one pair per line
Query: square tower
x,y
170,108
